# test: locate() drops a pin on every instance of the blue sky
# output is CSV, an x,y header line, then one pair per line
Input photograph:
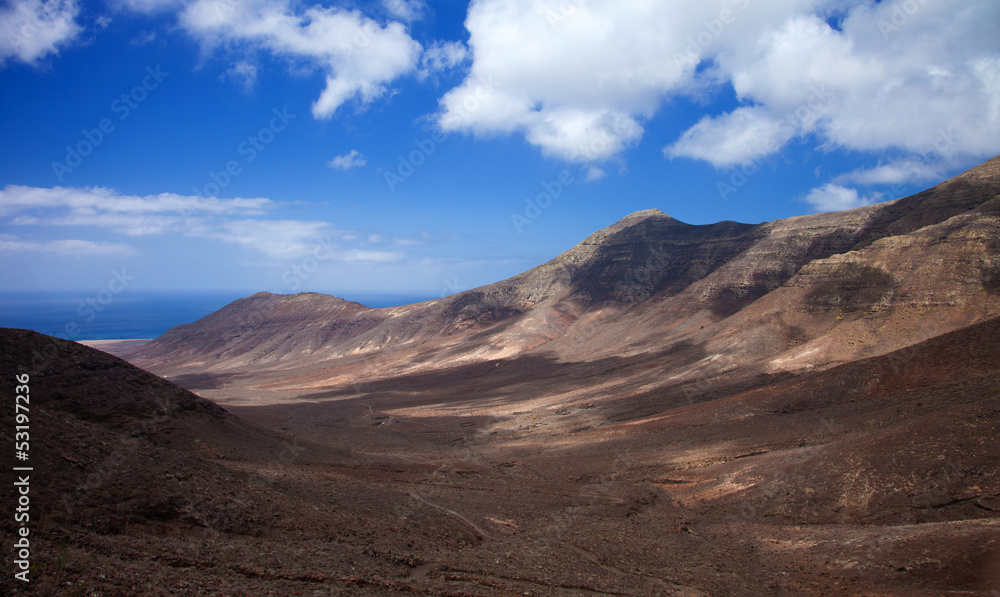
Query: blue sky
x,y
417,148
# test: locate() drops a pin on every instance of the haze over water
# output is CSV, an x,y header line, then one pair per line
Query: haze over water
x,y
138,314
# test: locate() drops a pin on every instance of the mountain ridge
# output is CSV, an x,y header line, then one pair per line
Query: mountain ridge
x,y
653,277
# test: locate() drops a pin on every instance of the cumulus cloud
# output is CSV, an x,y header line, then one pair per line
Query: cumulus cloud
x,y
580,79
577,82
361,56
891,78
833,197
742,134
30,30
352,159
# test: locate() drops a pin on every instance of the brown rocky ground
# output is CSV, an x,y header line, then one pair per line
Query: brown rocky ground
x,y
873,478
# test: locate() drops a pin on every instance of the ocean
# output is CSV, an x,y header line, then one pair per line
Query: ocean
x,y
136,314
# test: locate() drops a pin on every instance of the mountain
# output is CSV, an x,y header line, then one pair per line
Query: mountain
x,y
802,293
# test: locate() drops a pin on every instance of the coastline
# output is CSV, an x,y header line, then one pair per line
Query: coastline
x,y
119,347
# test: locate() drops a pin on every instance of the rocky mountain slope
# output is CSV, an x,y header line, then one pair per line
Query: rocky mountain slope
x,y
102,427
801,293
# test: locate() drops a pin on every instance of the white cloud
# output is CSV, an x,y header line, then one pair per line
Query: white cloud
x,y
361,56
833,197
128,224
406,10
225,221
102,200
143,38
441,56
154,6
576,81
166,213
244,72
352,159
359,255
580,79
32,29
594,173
744,133
902,171
281,239
68,247
898,76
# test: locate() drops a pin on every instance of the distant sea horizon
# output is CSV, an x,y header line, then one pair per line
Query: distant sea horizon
x,y
77,315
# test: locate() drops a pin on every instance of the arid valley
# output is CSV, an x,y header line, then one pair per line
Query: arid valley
x,y
807,406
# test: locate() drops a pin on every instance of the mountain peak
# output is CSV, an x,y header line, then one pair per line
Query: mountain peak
x,y
646,214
